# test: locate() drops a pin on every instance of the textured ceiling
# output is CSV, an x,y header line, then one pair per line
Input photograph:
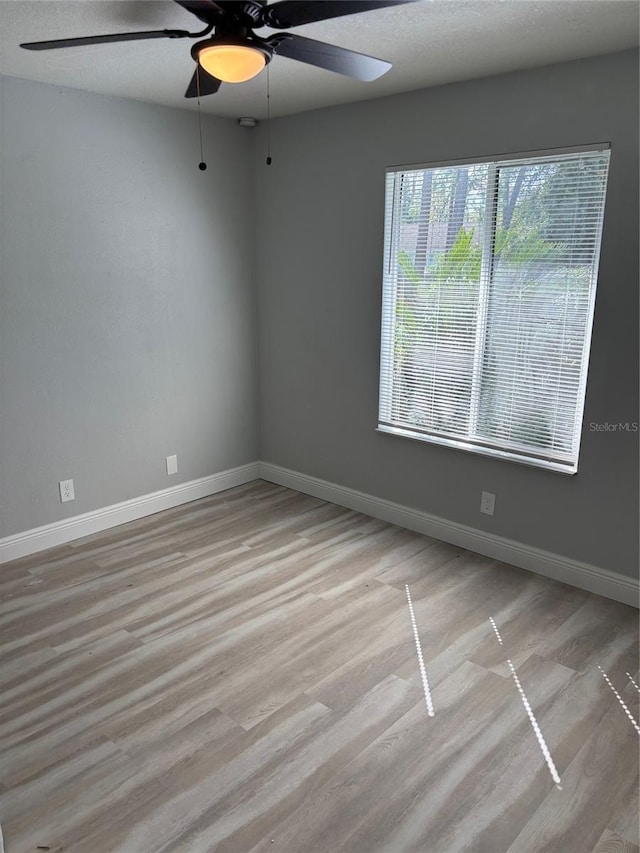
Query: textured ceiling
x,y
429,42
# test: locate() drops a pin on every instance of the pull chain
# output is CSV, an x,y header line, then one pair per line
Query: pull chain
x,y
201,165
268,121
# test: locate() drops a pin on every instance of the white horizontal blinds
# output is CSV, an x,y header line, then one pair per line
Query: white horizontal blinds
x,y
546,238
488,297
432,295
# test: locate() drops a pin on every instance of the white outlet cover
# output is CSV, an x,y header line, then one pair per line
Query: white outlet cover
x,y
66,491
487,503
172,465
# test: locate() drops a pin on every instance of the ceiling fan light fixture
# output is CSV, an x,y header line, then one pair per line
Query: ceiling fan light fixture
x,y
232,63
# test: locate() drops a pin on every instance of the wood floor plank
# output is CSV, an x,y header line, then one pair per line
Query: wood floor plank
x,y
626,823
611,842
585,804
240,674
350,813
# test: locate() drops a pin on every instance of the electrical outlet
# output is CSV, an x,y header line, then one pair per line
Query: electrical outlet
x,y
66,491
487,503
172,464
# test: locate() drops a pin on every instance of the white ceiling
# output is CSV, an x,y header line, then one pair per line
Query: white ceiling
x,y
429,42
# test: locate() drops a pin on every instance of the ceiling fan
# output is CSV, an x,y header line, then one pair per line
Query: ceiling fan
x,y
235,53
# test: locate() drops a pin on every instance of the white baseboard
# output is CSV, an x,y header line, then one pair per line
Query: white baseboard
x,y
60,532
581,575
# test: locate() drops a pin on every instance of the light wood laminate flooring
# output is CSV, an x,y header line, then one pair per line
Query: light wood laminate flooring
x,y
240,674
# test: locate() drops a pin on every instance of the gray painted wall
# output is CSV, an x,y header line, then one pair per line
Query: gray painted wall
x,y
319,261
127,306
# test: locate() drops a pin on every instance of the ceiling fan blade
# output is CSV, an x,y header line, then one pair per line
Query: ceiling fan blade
x,y
208,85
206,10
85,40
294,13
329,56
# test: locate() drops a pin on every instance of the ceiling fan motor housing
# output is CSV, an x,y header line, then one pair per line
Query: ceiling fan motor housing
x,y
251,11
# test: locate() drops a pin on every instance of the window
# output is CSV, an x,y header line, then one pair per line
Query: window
x,y
488,297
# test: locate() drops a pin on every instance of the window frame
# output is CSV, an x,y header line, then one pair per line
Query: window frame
x,y
388,323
